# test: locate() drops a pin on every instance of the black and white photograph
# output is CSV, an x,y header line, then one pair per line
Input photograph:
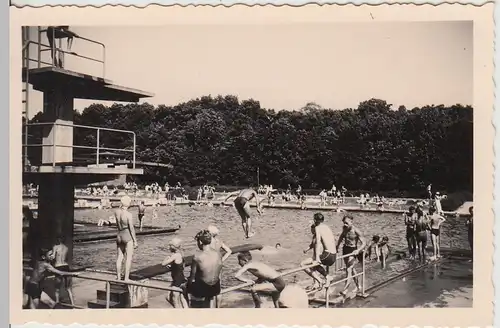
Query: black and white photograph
x,y
319,165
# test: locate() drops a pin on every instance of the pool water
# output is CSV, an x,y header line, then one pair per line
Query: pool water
x,y
290,228
445,284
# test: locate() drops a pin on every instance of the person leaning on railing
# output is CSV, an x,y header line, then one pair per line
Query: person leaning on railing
x,y
59,32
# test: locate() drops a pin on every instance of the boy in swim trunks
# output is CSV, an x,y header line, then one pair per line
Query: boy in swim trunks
x,y
410,219
318,273
435,221
126,240
60,253
141,211
242,205
373,246
268,279
385,250
421,227
204,280
41,270
354,244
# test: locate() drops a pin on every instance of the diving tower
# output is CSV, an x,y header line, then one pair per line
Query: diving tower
x,y
50,157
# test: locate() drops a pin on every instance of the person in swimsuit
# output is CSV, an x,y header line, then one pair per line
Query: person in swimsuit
x,y
268,279
176,263
421,227
126,239
435,221
470,228
60,253
410,219
141,211
218,244
41,270
385,250
242,205
59,32
319,273
204,280
354,244
373,246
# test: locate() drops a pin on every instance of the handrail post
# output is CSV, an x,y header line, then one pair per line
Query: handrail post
x,y
54,130
327,297
39,39
133,160
363,277
98,142
108,294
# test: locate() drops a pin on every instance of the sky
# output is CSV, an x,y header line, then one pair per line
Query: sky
x,y
336,65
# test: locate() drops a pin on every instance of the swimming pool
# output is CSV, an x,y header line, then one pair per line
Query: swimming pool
x,y
288,227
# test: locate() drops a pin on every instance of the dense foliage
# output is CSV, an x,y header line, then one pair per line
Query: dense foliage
x,y
221,140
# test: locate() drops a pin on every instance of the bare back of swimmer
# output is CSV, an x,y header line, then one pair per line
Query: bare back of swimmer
x,y
126,239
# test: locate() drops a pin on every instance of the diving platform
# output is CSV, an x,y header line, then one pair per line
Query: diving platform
x,y
81,86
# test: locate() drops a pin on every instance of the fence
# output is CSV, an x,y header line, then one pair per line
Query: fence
x,y
224,291
100,151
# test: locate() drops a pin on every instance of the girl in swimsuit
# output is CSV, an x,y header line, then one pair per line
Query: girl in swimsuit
x,y
410,232
176,263
435,223
421,227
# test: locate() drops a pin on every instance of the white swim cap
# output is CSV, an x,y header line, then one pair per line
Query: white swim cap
x,y
293,296
125,200
176,243
213,230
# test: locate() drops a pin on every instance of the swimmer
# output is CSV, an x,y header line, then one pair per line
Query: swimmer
x,y
435,224
126,239
293,296
278,246
41,269
421,227
176,263
373,245
470,227
206,267
385,250
141,211
218,244
59,32
437,203
242,205
110,221
354,244
60,254
268,279
324,251
409,220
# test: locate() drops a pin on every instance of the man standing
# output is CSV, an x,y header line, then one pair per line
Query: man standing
x,y
242,205
204,280
60,253
126,239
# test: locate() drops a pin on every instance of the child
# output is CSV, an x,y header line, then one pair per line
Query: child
x,y
218,244
384,250
435,221
141,212
176,263
41,269
268,279
373,245
318,273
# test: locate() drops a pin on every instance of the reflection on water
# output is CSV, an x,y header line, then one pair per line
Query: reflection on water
x,y
447,284
290,228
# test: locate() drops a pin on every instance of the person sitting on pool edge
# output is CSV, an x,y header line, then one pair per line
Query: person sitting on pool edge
x,y
204,281
268,279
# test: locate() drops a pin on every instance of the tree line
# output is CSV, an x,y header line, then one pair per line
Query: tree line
x,y
221,140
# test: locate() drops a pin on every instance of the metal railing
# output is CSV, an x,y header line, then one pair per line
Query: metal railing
x,y
97,148
109,281
41,47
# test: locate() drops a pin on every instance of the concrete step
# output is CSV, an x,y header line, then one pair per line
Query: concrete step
x,y
116,295
100,304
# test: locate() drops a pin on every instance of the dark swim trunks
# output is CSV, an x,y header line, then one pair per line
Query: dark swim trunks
x,y
200,289
435,232
33,290
410,232
422,236
64,268
239,203
348,250
327,258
